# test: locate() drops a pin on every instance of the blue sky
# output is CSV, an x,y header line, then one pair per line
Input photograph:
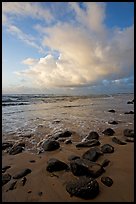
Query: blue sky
x,y
62,47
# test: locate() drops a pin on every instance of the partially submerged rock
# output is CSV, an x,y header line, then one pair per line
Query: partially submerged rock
x,y
83,187
118,141
22,173
6,145
108,132
50,145
107,181
92,154
113,122
129,139
73,157
54,164
4,168
112,111
88,143
107,148
16,150
129,112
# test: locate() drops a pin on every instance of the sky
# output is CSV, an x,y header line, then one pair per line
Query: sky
x,y
67,47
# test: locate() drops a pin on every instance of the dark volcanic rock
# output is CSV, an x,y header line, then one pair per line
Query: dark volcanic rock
x,y
22,173
107,181
128,133
130,102
66,133
83,167
73,157
50,145
92,154
68,141
6,145
83,187
79,168
108,131
4,168
16,150
107,148
105,163
129,139
12,185
112,111
88,143
130,112
118,141
113,122
5,178
56,165
92,135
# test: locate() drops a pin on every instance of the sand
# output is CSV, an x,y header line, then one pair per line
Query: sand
x,y
52,186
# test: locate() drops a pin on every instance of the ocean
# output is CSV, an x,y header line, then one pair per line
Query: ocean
x,y
32,117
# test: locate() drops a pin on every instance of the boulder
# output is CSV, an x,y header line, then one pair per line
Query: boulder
x,y
50,145
83,167
118,141
107,148
22,173
88,143
83,187
108,132
107,181
56,165
128,133
92,154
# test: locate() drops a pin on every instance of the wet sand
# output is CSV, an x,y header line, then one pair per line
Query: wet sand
x,y
52,186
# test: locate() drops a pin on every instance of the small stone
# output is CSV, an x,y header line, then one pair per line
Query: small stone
x,y
88,143
15,150
107,148
118,141
50,145
112,111
4,168
56,165
128,133
92,135
92,154
29,191
108,132
22,173
23,181
73,157
130,112
12,185
129,139
40,193
68,141
32,161
113,122
5,178
105,163
107,181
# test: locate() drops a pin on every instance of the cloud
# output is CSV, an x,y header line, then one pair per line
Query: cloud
x,y
89,52
26,9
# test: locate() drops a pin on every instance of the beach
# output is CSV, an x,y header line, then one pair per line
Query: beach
x,y
35,123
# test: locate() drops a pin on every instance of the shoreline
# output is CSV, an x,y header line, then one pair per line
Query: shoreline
x,y
53,186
